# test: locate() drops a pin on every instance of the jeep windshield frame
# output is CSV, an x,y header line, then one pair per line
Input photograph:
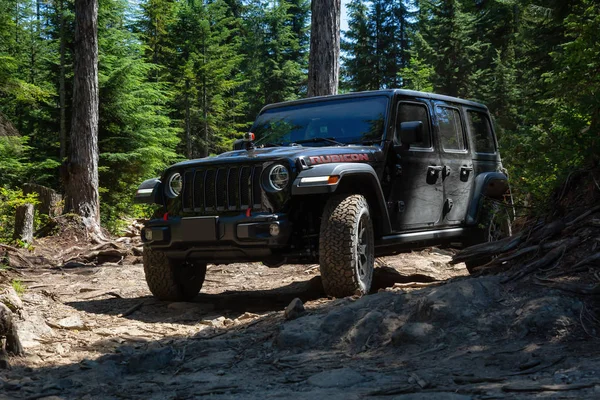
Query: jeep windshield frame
x,y
351,120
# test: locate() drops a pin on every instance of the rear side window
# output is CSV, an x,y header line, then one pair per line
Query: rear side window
x,y
415,112
451,130
481,129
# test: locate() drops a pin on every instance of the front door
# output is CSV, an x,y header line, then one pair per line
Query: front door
x,y
416,198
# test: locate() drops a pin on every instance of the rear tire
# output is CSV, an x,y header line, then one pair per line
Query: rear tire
x,y
496,226
172,280
346,246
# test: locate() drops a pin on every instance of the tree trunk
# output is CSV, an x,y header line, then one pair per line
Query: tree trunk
x,y
50,201
81,194
24,223
324,58
188,122
61,83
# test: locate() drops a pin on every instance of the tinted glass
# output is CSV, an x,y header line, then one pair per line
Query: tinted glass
x,y
480,127
451,131
345,120
415,112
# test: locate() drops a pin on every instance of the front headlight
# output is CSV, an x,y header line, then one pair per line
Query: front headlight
x,y
174,185
278,178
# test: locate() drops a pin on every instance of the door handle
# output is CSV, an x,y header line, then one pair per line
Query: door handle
x,y
465,171
434,169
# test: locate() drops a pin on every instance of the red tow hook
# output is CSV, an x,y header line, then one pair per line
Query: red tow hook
x,y
249,213
166,216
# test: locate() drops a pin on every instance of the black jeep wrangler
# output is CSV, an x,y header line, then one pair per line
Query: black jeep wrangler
x,y
337,180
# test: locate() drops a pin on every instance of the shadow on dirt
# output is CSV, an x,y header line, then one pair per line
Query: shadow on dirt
x,y
233,302
472,337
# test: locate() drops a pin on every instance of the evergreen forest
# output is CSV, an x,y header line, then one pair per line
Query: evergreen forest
x,y
184,78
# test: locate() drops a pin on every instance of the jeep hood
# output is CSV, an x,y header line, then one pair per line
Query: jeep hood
x,y
312,155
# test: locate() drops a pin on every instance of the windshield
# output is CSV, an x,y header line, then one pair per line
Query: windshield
x,y
353,120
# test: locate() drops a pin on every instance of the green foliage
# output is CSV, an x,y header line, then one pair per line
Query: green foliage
x,y
19,287
136,140
376,46
9,201
184,78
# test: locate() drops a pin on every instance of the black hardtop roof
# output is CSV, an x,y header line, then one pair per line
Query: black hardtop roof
x,y
385,92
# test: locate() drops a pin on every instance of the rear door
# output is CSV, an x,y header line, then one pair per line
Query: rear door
x,y
416,197
457,173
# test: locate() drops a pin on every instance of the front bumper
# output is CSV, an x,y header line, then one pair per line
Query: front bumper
x,y
219,238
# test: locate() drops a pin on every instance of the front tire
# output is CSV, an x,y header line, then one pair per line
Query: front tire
x,y
346,246
172,280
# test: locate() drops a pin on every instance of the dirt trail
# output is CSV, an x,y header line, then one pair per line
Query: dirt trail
x,y
459,338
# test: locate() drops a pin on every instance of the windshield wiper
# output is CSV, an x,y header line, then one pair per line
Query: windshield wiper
x,y
319,139
368,141
269,144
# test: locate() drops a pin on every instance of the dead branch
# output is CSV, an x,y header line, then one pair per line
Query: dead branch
x,y
100,293
588,290
548,259
415,285
581,266
532,387
584,215
467,380
133,309
547,231
487,249
539,367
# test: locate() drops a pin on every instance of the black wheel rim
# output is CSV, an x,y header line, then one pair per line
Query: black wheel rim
x,y
362,248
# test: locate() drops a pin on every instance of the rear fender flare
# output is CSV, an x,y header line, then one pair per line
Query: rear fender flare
x,y
488,184
318,184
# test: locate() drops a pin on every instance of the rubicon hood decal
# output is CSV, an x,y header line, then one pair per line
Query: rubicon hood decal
x,y
354,157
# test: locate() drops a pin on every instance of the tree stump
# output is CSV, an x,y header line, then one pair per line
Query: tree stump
x,y
24,223
50,201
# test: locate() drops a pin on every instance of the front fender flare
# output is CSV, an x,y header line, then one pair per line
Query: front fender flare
x,y
346,171
148,192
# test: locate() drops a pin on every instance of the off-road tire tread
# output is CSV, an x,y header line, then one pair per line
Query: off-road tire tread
x,y
336,244
171,280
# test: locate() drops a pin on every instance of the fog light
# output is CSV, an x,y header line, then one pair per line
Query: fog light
x,y
148,234
274,229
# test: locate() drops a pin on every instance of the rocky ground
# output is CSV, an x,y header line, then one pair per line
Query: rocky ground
x,y
91,330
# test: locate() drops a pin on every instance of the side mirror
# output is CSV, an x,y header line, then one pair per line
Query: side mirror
x,y
411,132
239,144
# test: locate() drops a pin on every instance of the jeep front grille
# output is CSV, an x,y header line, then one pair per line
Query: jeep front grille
x,y
231,188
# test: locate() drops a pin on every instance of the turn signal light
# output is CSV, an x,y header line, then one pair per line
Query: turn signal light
x,y
333,179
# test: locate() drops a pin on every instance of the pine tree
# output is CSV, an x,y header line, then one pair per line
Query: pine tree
x,y
135,137
449,45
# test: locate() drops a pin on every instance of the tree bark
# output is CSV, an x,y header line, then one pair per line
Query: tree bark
x,y
24,223
61,83
188,122
81,195
324,58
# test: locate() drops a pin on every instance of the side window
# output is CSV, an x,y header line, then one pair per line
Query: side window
x,y
481,129
451,130
415,112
